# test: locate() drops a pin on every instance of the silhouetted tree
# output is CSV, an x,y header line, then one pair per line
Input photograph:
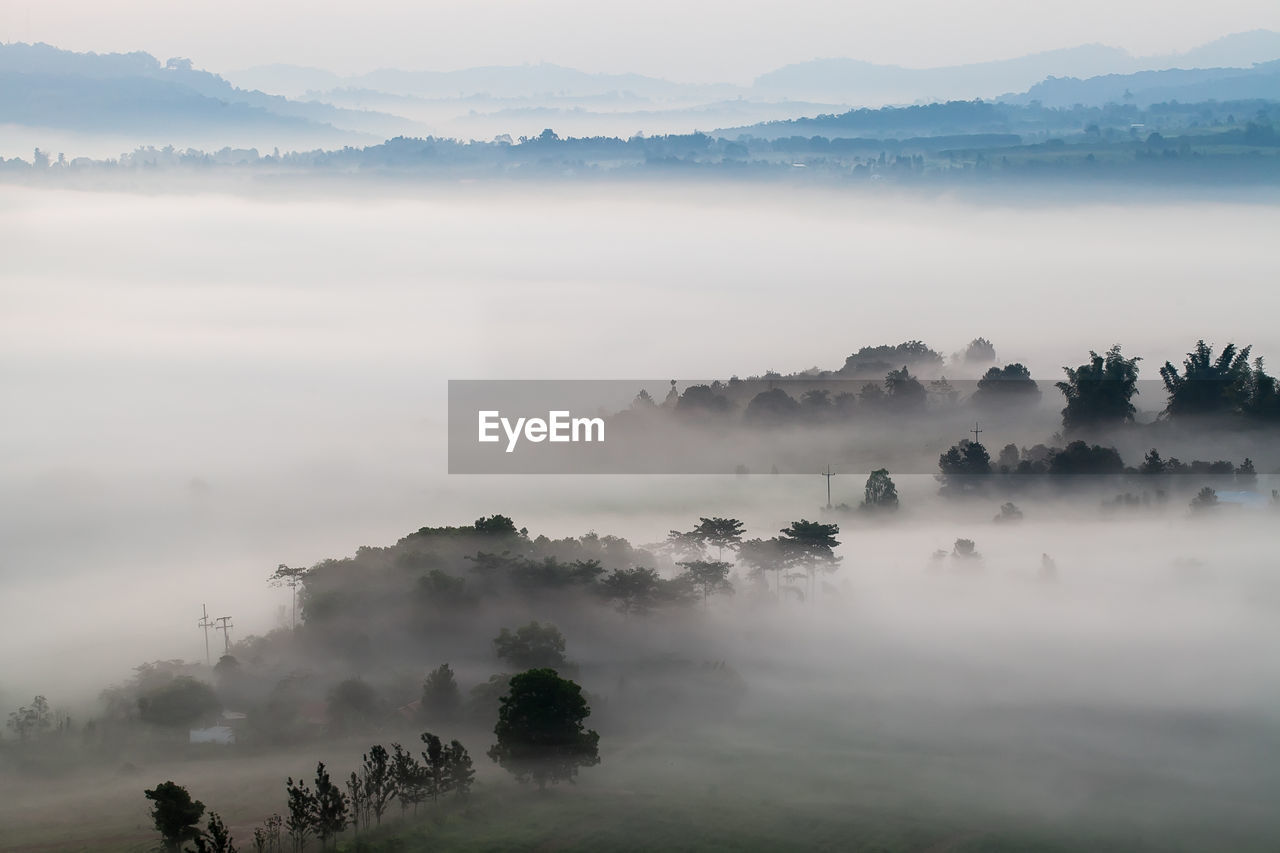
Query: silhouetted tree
x,y
441,698
353,705
708,575
702,400
720,533
216,838
378,781
1207,386
267,837
763,555
540,735
178,703
964,467
810,545
1206,499
1099,393
459,773
175,814
1009,512
640,589
301,820
31,720
1011,383
980,351
531,646
433,766
410,778
771,408
1081,458
903,392
359,802
880,493
331,807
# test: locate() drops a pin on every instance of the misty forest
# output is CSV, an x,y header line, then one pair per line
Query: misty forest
x,y
949,525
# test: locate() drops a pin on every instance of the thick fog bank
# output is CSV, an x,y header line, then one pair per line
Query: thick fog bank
x,y
200,386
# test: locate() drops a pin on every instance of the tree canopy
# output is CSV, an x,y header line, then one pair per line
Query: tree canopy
x,y
540,732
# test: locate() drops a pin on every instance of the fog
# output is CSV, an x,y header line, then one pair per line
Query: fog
x,y
200,386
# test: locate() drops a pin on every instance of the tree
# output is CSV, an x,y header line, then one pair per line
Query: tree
x,y
292,578
772,408
964,467
175,814
1206,499
1081,458
216,837
903,391
720,533
499,526
1009,384
378,781
441,698
708,575
433,766
530,646
458,770
810,545
1207,386
875,361
410,778
180,702
1099,393
702,400
330,807
980,351
880,493
1152,463
353,705
359,803
302,813
266,838
31,720
1260,397
763,555
1009,512
540,735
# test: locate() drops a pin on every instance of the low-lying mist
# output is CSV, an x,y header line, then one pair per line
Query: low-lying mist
x,y
202,386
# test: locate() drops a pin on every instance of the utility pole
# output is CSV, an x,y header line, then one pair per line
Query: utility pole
x,y
224,625
975,431
206,625
828,474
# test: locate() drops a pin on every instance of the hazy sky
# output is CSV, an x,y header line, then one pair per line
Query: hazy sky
x,y
704,40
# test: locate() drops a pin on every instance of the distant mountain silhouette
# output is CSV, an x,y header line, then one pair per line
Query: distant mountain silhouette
x,y
43,86
836,81
499,81
856,82
864,83
1262,82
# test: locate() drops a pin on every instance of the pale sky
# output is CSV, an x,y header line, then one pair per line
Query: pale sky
x,y
685,40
